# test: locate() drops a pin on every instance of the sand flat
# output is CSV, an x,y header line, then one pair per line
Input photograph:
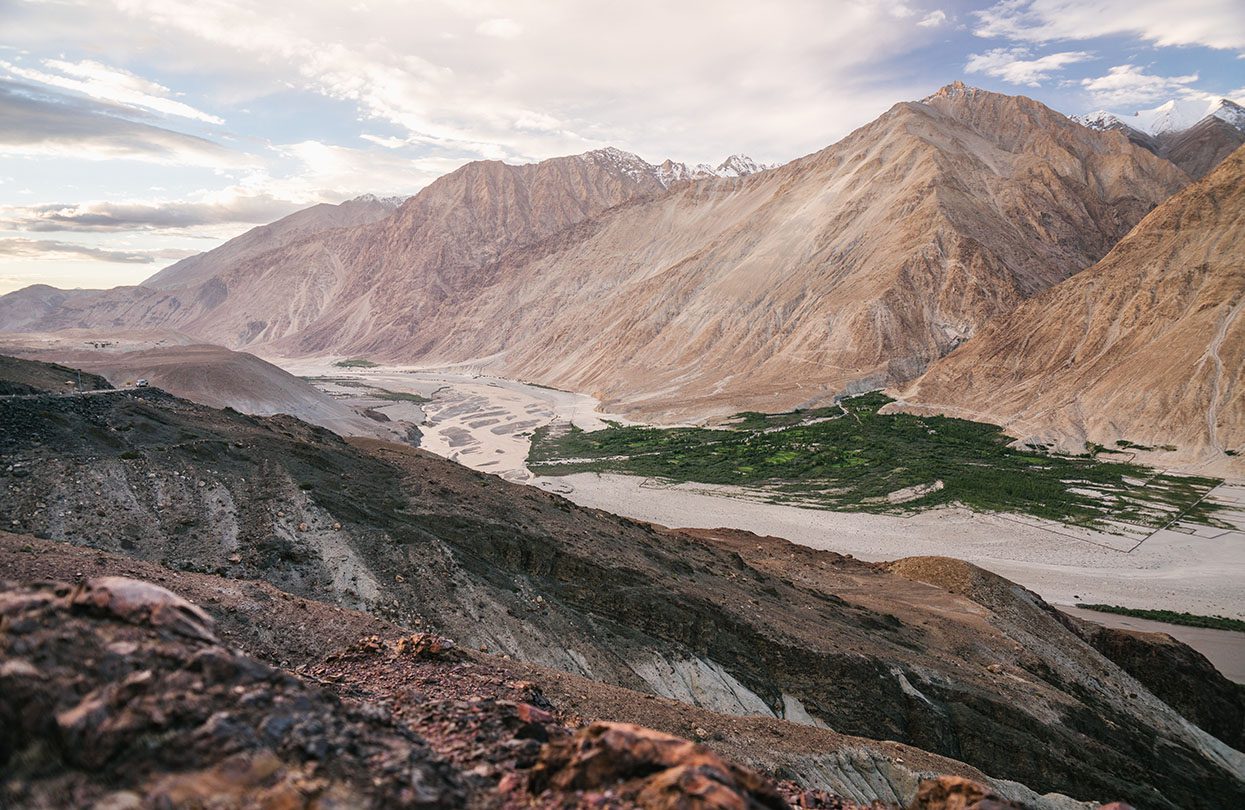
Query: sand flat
x,y
1170,569
1176,569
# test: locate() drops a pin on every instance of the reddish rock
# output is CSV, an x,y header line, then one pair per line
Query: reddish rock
x,y
652,769
958,793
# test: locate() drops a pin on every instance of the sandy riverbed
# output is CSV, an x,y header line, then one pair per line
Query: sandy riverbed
x,y
1171,569
485,423
481,422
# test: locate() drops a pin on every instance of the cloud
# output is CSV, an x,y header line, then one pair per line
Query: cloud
x,y
98,81
1211,23
34,122
1011,64
934,19
558,78
499,27
88,217
21,248
1129,84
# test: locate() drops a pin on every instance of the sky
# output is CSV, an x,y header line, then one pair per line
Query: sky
x,y
136,132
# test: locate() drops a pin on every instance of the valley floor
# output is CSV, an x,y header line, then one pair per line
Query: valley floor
x,y
486,423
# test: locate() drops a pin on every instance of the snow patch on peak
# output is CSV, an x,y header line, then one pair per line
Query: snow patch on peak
x,y
1175,115
740,166
633,166
1231,112
1099,120
668,171
734,166
390,202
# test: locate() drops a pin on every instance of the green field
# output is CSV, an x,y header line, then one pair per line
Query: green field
x,y
850,457
355,362
1172,617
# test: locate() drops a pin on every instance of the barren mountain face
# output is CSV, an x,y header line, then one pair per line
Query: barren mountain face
x,y
851,268
1202,147
308,223
401,268
1148,346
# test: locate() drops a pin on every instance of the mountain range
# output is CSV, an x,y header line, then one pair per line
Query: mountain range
x,y
1147,346
1194,134
674,293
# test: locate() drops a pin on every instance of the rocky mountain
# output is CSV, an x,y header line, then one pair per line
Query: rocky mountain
x,y
1148,346
420,253
929,652
844,270
1203,146
304,224
1190,133
669,172
850,268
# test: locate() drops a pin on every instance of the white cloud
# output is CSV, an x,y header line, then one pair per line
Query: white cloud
x,y
22,248
688,80
1126,85
934,19
99,81
229,206
34,123
499,27
1012,64
1212,23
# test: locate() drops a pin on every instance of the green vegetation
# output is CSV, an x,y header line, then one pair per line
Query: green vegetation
x,y
379,393
850,457
398,396
1172,617
356,362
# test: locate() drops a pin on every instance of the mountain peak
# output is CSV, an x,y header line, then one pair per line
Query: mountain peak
x,y
957,89
1175,115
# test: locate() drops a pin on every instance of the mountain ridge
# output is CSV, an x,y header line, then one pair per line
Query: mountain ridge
x,y
852,267
1157,353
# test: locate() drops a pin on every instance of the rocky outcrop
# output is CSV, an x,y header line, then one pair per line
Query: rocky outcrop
x,y
649,768
1146,347
1179,675
116,694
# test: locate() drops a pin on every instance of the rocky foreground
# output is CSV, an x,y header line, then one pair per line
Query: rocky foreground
x,y
117,693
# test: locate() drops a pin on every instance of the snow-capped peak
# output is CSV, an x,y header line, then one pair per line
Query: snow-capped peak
x,y
740,165
669,171
734,166
1171,116
634,166
392,202
1231,112
1099,120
